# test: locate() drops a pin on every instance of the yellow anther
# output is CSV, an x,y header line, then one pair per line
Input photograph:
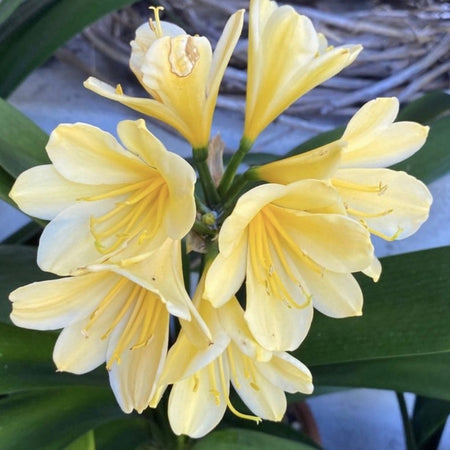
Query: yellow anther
x,y
119,89
156,24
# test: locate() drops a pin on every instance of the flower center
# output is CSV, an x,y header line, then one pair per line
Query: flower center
x,y
269,246
143,308
139,215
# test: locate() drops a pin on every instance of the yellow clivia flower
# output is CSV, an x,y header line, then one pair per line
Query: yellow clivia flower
x,y
201,375
296,249
391,204
107,317
286,59
102,197
181,74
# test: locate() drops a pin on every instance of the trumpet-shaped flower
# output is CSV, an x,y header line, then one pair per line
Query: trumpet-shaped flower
x,y
106,317
296,248
181,74
102,197
390,204
201,375
286,59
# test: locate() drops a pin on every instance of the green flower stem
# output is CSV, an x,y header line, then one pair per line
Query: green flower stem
x,y
409,432
201,207
244,146
234,191
209,188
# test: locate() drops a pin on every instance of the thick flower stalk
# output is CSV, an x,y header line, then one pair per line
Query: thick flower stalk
x,y
201,374
296,249
107,317
286,59
390,204
181,74
102,197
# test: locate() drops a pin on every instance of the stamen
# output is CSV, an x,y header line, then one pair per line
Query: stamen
x,y
156,25
379,188
233,368
115,192
119,89
212,379
385,236
355,212
225,387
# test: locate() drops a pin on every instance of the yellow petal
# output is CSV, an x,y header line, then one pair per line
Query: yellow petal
x,y
374,140
146,106
391,204
374,270
42,192
198,403
320,163
54,304
133,379
83,153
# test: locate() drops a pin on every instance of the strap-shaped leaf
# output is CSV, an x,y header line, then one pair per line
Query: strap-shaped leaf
x,y
423,374
17,268
22,143
426,108
53,418
405,314
242,439
37,39
6,182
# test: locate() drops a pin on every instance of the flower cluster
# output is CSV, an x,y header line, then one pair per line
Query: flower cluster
x,y
119,212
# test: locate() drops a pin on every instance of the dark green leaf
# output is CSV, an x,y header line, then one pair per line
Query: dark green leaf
x,y
84,442
240,439
317,141
405,313
7,8
34,41
53,418
433,159
424,374
129,433
22,143
17,268
22,236
426,108
6,182
428,421
26,363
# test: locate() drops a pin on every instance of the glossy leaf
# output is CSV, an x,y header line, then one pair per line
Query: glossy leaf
x,y
426,108
84,442
242,439
128,433
17,268
404,314
26,363
22,143
53,418
428,421
423,374
7,8
35,40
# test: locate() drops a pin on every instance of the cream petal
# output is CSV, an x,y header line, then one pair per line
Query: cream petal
x,y
274,323
226,275
232,320
248,205
287,373
133,378
263,398
150,107
76,353
181,210
54,304
374,270
196,405
385,147
222,54
335,242
144,38
397,205
42,192
177,70
66,243
320,163
83,153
